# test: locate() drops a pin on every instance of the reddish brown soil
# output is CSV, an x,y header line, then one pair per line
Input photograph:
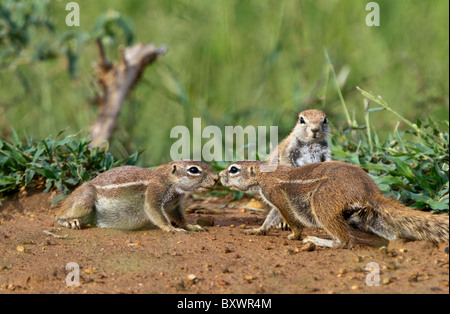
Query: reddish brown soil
x,y
221,260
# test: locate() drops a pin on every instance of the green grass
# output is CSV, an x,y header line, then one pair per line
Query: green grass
x,y
52,163
410,165
230,62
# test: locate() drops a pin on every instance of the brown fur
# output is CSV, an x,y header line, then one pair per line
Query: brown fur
x,y
131,197
298,147
337,197
307,143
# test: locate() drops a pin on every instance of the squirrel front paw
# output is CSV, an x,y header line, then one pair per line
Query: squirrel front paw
x,y
294,236
195,228
176,230
256,231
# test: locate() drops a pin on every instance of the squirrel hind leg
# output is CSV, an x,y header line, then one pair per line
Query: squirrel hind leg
x,y
70,223
338,229
334,224
76,217
78,209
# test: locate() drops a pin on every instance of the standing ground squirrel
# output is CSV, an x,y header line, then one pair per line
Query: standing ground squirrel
x,y
337,197
307,143
131,197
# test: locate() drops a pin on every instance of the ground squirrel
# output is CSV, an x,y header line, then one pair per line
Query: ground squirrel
x,y
307,143
131,197
337,197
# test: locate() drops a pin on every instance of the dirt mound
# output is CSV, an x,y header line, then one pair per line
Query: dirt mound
x,y
35,252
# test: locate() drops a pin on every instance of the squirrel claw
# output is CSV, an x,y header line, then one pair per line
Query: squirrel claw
x,y
175,230
195,228
73,224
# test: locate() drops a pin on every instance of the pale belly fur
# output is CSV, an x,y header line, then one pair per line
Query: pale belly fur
x,y
126,214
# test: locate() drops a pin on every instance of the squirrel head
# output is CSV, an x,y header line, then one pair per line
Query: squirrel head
x,y
190,176
312,126
242,176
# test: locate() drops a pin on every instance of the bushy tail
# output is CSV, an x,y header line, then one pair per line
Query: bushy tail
x,y
393,220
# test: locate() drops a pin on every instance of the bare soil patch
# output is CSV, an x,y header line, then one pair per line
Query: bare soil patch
x,y
221,260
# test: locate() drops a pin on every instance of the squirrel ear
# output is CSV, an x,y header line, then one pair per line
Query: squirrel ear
x,y
174,169
252,171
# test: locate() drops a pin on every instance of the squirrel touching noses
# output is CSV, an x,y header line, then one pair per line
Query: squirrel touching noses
x,y
336,197
131,197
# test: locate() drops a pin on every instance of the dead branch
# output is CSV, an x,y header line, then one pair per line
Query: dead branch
x,y
117,81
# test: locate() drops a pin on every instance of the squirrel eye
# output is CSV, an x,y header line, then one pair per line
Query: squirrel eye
x,y
302,121
234,170
194,170
325,120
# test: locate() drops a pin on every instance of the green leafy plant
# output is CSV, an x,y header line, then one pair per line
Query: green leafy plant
x,y
17,21
411,165
52,163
